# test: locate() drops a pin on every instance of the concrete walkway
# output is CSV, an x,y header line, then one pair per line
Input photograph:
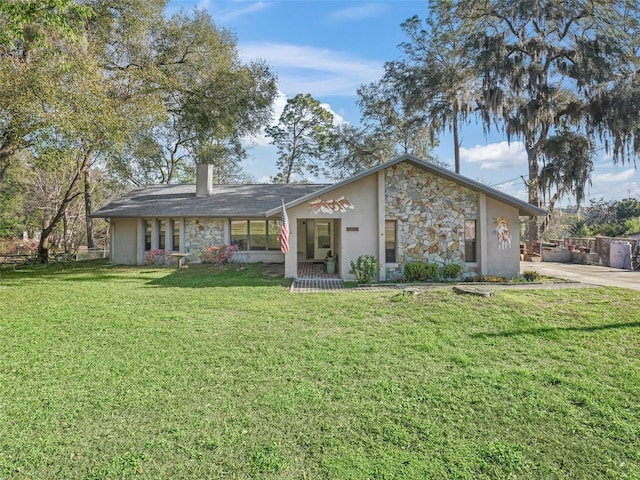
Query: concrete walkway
x,y
586,274
579,276
313,285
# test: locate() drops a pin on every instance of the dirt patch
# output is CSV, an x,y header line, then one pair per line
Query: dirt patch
x,y
273,270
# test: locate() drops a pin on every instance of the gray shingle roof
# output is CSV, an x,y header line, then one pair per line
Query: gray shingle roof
x,y
224,201
259,200
524,208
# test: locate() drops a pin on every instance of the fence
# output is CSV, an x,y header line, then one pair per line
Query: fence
x,y
596,250
91,253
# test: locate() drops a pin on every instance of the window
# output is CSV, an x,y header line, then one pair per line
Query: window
x,y
175,235
162,234
147,234
470,241
240,234
273,234
390,241
324,234
256,234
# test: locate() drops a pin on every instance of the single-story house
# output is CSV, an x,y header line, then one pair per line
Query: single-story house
x,y
405,210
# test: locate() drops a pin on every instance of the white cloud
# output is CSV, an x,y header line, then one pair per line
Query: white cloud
x,y
613,178
514,188
219,14
495,156
615,185
337,119
360,12
318,71
239,9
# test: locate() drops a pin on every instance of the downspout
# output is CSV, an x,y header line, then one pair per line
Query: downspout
x,y
381,220
482,234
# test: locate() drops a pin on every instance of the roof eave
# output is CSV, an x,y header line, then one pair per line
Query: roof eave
x,y
524,209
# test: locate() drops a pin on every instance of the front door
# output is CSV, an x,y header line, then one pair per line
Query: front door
x,y
323,238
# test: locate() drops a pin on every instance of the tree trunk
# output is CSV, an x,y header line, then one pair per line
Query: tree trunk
x,y
87,207
7,151
456,141
70,195
534,195
65,232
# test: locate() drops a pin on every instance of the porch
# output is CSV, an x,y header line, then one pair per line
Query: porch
x,y
314,270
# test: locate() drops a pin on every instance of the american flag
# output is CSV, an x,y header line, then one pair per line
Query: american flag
x,y
284,231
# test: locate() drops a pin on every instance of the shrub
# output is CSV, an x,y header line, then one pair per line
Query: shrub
x,y
632,225
578,228
531,275
486,279
365,268
157,257
451,271
218,255
421,272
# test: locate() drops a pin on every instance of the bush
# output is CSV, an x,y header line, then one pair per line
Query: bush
x,y
421,272
157,257
365,268
451,271
578,228
531,275
486,279
218,255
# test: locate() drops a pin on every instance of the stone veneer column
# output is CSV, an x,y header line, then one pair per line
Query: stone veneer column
x,y
430,212
200,233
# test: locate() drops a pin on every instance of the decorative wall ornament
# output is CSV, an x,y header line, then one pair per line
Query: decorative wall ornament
x,y
502,232
341,205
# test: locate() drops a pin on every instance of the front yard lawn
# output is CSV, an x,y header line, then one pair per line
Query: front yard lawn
x,y
149,373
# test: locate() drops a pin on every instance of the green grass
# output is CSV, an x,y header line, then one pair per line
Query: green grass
x,y
109,373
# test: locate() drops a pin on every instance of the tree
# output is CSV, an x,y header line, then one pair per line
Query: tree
x,y
602,219
27,28
436,74
541,63
303,137
14,218
133,81
356,150
196,93
627,208
390,115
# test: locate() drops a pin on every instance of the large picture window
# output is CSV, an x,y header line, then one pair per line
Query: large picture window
x,y
390,241
470,243
256,234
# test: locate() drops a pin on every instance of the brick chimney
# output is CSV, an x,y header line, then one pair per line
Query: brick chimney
x,y
204,179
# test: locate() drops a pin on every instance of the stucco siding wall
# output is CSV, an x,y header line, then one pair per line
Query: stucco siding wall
x,y
503,249
357,223
124,232
430,212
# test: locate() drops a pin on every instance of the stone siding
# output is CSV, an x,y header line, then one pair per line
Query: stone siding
x,y
200,234
430,212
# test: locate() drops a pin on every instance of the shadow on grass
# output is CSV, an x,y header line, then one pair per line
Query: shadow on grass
x,y
196,276
205,276
541,331
95,268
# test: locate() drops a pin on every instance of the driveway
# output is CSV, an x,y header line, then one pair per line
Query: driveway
x,y
589,274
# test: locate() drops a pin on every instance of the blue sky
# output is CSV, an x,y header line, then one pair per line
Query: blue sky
x,y
328,48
